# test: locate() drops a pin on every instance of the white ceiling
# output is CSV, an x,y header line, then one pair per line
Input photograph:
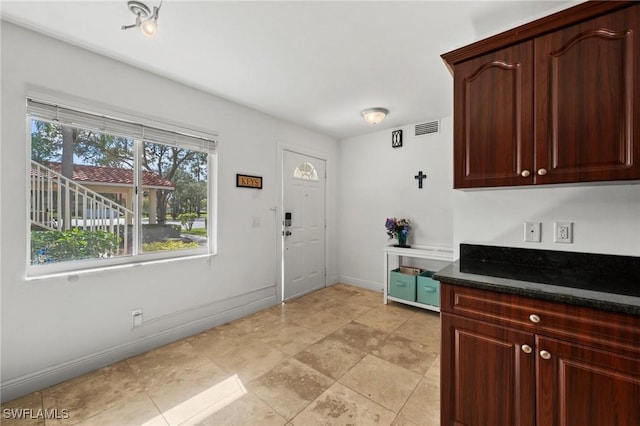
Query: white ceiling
x,y
317,64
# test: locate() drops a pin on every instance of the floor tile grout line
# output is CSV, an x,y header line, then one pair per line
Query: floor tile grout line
x,y
410,395
305,407
334,380
359,298
82,380
365,396
146,391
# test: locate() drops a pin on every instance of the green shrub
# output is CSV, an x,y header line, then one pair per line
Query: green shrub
x,y
72,244
187,219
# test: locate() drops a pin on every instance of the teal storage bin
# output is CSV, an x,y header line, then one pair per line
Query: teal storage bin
x,y
402,286
428,289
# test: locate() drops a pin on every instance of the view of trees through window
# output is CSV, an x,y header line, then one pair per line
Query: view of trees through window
x,y
98,196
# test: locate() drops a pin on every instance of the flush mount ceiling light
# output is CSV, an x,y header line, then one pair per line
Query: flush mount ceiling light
x,y
374,115
145,20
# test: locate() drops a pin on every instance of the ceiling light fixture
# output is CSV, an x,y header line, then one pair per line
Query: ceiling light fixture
x,y
145,20
374,115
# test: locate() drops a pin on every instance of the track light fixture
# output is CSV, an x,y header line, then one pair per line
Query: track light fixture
x,y
145,20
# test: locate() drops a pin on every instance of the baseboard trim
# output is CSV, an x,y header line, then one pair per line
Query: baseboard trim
x,y
334,279
50,376
361,283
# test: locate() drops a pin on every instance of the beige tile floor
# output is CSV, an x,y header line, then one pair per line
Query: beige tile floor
x,y
338,356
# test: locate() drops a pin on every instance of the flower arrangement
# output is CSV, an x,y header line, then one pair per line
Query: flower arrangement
x,y
396,228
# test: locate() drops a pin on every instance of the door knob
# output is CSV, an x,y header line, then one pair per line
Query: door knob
x,y
542,172
545,354
526,349
286,233
525,173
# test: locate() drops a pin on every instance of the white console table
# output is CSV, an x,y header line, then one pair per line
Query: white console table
x,y
420,252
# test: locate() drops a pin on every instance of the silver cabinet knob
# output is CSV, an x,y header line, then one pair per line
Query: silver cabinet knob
x,y
526,349
525,173
534,318
542,172
545,355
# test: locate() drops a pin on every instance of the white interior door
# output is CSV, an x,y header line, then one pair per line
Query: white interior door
x,y
304,182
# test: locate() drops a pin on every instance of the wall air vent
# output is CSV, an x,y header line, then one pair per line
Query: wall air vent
x,y
428,128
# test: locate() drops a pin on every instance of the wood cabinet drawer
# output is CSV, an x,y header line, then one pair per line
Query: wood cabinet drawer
x,y
601,329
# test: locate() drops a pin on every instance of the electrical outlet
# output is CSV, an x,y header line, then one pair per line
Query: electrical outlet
x,y
563,232
136,317
532,231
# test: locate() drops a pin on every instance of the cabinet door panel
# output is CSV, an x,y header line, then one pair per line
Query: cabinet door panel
x,y
587,100
493,118
582,386
486,377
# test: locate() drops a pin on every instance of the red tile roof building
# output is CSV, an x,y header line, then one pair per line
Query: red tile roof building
x,y
113,176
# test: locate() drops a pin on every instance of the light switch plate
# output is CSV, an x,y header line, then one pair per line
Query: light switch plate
x,y
532,232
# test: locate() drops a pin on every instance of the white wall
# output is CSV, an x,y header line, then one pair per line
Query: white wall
x,y
606,217
56,328
376,182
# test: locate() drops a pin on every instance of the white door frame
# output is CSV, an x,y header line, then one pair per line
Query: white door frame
x,y
281,148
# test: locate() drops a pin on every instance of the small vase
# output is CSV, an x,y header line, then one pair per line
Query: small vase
x,y
402,239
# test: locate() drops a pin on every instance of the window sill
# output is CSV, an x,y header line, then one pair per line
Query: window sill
x,y
74,274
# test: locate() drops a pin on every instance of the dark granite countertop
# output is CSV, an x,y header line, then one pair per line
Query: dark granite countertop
x,y
599,281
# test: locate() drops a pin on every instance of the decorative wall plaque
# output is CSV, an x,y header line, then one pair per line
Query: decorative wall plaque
x,y
396,138
247,181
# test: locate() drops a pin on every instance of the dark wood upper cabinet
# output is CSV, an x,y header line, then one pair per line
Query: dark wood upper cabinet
x,y
554,101
493,124
587,88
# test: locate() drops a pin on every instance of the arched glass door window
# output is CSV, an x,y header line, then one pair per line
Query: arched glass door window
x,y
305,171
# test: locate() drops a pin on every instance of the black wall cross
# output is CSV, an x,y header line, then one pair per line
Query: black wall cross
x,y
420,176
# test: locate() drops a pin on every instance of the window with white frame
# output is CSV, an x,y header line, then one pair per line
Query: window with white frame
x,y
105,191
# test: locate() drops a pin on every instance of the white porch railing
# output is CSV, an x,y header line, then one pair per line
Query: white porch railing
x,y
81,207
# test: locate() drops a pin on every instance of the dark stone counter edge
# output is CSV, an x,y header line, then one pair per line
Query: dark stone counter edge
x,y
600,300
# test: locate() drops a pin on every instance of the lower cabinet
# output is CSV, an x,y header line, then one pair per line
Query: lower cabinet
x,y
486,377
511,360
584,386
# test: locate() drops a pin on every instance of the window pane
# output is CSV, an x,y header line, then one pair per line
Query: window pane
x,y
81,194
305,171
174,205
